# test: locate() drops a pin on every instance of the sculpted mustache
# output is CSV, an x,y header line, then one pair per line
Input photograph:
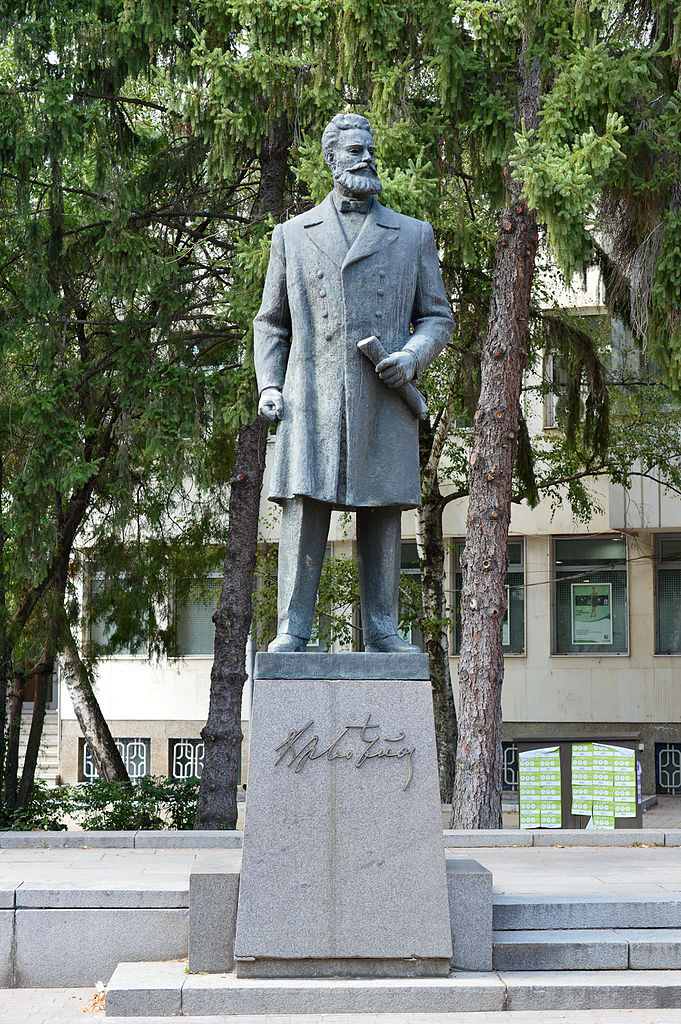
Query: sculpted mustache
x,y
360,167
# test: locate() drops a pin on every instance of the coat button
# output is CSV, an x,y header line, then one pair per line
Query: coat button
x,y
380,292
379,314
322,292
320,274
325,313
381,274
328,336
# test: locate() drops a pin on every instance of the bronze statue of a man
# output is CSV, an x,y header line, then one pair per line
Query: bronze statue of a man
x,y
347,270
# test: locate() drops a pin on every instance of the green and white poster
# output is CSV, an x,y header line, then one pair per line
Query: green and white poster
x,y
603,783
592,613
539,788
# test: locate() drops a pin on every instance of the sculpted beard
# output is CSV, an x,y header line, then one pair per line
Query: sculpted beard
x,y
361,180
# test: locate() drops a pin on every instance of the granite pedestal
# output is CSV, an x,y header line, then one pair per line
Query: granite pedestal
x,y
343,870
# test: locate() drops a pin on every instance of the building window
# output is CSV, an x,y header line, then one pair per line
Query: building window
x,y
194,625
590,595
555,383
668,594
509,767
102,628
186,758
668,768
513,638
410,594
136,754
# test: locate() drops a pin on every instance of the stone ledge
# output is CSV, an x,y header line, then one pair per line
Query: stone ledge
x,y
223,839
148,989
591,990
561,950
549,912
339,665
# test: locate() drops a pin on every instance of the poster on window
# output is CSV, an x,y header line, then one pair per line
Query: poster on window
x,y
592,613
506,624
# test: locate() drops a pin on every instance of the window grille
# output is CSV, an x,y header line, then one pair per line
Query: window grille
x,y
594,562
514,623
136,754
186,758
194,618
668,594
509,767
668,768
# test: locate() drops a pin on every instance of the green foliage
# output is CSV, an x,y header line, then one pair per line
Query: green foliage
x,y
151,803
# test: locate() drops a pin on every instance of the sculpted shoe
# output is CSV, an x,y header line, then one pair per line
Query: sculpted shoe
x,y
287,643
393,644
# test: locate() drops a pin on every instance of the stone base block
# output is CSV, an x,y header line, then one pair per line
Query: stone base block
x,y
343,855
146,990
75,948
203,995
469,887
213,898
347,968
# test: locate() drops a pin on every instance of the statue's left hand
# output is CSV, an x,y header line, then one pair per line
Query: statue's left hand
x,y
397,369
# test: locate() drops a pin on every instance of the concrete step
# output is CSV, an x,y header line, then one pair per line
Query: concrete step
x,y
541,913
588,949
560,950
165,989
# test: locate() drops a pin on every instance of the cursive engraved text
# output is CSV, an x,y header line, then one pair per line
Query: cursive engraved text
x,y
357,743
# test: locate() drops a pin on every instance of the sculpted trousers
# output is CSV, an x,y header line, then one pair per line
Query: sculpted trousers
x,y
304,532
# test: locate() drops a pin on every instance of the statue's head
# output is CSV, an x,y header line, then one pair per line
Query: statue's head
x,y
348,148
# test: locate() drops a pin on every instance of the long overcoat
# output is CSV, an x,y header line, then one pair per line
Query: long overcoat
x,y
346,438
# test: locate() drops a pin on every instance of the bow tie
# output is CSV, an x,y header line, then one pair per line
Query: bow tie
x,y
354,205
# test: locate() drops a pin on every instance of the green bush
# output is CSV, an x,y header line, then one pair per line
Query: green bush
x,y
150,803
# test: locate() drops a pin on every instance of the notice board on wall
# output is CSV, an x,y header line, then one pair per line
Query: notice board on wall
x,y
579,782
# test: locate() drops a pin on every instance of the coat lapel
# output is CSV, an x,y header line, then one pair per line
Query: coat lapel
x,y
323,228
380,228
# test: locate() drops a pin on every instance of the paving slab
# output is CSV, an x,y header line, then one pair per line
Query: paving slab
x,y
227,994
560,950
673,838
653,948
587,990
62,948
145,989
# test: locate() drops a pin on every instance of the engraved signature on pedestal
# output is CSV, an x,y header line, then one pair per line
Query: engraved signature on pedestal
x,y
300,747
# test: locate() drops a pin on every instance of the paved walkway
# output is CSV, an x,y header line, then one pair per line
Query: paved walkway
x,y
517,870
78,1006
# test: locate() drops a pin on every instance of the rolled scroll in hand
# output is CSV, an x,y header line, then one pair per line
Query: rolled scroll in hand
x,y
411,396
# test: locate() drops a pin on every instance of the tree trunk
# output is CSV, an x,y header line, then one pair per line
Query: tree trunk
x,y
222,735
273,168
16,704
431,549
93,725
477,789
5,658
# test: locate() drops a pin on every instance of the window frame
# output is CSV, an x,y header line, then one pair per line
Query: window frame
x,y
212,575
660,563
513,567
583,569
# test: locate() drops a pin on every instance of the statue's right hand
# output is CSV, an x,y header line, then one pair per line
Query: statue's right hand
x,y
271,405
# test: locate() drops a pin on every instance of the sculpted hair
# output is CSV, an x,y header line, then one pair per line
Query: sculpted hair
x,y
338,124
